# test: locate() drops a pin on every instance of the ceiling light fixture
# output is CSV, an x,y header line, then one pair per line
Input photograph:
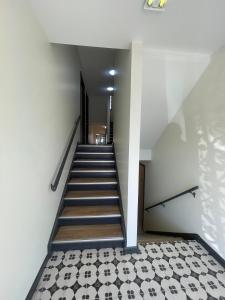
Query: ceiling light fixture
x,y
155,5
110,89
112,72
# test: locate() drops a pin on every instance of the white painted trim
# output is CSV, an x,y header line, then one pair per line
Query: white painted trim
x,y
90,217
90,198
104,146
93,171
87,240
93,161
94,153
92,183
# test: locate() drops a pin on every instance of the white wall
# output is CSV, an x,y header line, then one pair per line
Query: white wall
x,y
127,113
191,151
168,77
145,154
39,102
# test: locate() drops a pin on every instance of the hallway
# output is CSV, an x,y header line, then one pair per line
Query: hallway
x,y
113,125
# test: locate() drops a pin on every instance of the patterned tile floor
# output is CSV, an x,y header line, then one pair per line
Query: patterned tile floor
x,y
173,270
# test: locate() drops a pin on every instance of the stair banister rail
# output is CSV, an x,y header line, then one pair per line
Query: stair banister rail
x,y
58,174
191,191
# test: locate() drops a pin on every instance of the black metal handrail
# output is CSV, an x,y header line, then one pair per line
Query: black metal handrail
x,y
189,191
55,181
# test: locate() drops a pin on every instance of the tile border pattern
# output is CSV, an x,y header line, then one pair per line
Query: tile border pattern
x,y
166,270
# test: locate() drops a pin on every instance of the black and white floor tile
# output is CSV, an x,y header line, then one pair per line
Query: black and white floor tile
x,y
168,270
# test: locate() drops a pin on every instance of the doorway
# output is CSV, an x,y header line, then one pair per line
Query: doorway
x,y
141,197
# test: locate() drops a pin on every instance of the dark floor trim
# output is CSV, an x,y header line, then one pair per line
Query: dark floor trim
x,y
131,250
60,207
185,236
87,245
120,198
211,251
38,277
193,236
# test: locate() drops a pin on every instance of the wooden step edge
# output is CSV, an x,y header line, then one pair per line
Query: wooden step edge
x,y
71,241
118,215
93,171
91,197
93,161
94,145
94,153
93,183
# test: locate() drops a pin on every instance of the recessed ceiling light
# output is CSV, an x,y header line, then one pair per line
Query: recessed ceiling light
x,y
110,89
112,72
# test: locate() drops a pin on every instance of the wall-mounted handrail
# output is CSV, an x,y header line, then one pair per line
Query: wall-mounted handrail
x,y
189,191
57,177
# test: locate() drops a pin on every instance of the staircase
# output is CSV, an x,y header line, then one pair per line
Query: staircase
x,y
90,215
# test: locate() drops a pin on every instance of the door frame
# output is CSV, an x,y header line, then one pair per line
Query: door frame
x,y
141,201
84,112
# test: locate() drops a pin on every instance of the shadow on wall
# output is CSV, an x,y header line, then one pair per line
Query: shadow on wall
x,y
211,154
190,152
205,138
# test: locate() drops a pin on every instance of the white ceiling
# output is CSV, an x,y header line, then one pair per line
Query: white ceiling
x,y
196,25
95,64
187,26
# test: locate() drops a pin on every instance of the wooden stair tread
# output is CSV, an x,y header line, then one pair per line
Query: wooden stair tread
x,y
92,180
88,232
94,210
91,215
93,153
95,193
